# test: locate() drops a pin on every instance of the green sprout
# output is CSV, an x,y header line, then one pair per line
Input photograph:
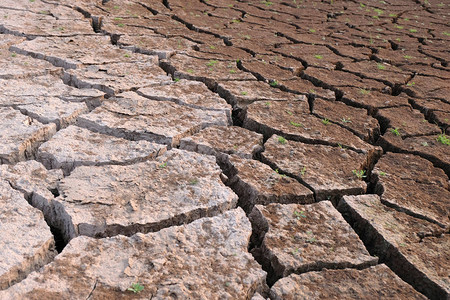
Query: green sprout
x,y
360,174
364,91
395,131
325,121
211,63
244,93
190,71
295,124
318,56
193,181
136,288
443,139
346,120
274,83
425,144
413,30
281,140
299,214
381,67
267,3
412,83
176,79
162,166
407,57
303,171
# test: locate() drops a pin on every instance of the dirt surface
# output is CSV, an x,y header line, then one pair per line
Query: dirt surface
x,y
224,149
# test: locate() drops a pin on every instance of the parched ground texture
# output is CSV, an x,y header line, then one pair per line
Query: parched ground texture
x,y
224,149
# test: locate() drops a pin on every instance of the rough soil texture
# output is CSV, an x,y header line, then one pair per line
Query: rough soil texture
x,y
221,149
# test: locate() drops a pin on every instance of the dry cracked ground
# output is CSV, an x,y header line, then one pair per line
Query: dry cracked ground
x,y
219,149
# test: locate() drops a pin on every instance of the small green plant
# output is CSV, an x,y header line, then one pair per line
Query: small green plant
x,y
176,79
267,3
393,15
407,57
126,55
232,71
325,121
412,83
14,54
274,83
289,112
211,63
295,251
281,140
446,33
364,91
162,166
190,71
395,131
399,26
299,214
236,21
244,93
318,56
412,30
312,30
443,139
116,7
121,25
382,173
311,240
295,124
193,181
425,144
381,67
346,120
267,104
136,288
303,171
360,174
118,19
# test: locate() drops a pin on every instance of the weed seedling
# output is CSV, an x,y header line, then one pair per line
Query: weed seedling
x,y
346,120
126,55
295,124
267,3
318,56
289,112
211,63
364,92
443,139
232,71
382,173
244,93
162,166
281,140
136,288
121,25
312,30
325,121
13,54
267,104
412,83
274,83
190,71
299,214
425,144
176,79
303,171
360,174
311,240
395,131
381,67
407,57
413,30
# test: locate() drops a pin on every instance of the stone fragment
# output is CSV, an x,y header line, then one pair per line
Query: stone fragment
x,y
415,249
221,141
329,171
354,119
434,147
175,188
411,122
411,184
75,146
114,78
293,121
35,182
241,94
201,260
298,238
54,110
21,143
75,51
25,239
137,118
256,183
377,282
190,93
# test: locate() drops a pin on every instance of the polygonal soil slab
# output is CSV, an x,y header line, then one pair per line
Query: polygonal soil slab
x,y
32,25
433,147
256,183
25,239
293,121
416,250
54,110
377,282
354,119
411,184
20,143
176,188
15,66
241,94
371,99
73,52
184,92
300,238
328,171
114,78
201,260
407,121
30,90
76,146
208,71
221,140
35,182
137,118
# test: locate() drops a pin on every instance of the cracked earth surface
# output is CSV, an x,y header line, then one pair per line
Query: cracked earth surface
x,y
219,149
